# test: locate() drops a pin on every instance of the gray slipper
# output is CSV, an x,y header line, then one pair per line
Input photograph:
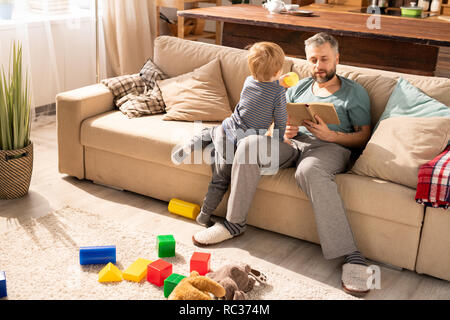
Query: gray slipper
x,y
355,278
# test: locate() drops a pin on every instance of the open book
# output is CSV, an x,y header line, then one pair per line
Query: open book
x,y
306,111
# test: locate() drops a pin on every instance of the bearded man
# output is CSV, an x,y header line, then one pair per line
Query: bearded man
x,y
319,151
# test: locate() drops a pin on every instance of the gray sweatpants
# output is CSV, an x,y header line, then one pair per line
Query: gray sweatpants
x,y
317,162
221,170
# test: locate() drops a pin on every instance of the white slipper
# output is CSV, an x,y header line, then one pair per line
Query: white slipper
x,y
212,235
354,279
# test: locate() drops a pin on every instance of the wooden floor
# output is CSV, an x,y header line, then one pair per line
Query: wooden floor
x,y
51,190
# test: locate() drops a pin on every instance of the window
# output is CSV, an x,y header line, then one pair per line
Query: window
x,y
39,9
59,48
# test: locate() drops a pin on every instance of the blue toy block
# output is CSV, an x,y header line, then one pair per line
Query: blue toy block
x,y
97,255
3,284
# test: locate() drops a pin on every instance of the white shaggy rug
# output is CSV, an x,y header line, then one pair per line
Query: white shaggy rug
x,y
41,261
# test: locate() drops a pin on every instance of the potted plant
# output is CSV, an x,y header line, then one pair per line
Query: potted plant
x,y
6,9
16,148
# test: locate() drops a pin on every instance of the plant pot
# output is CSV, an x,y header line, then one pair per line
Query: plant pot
x,y
16,167
6,10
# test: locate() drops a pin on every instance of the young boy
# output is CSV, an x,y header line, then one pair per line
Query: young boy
x,y
262,101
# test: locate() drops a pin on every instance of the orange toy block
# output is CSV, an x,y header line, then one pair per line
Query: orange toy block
x,y
110,273
137,271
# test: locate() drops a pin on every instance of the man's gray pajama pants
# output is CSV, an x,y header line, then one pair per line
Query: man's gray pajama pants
x,y
316,161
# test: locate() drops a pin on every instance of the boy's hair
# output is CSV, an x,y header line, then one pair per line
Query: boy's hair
x,y
265,59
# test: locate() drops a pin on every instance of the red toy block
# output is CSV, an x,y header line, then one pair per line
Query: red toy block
x,y
158,271
200,262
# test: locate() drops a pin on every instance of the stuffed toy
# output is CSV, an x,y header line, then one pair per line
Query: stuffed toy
x,y
196,287
237,280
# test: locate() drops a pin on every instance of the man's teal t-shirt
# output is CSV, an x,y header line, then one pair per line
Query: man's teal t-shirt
x,y
351,102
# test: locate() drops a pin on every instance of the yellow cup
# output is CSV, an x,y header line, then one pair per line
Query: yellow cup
x,y
291,80
183,208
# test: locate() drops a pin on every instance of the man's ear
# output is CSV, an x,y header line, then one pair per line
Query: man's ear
x,y
337,58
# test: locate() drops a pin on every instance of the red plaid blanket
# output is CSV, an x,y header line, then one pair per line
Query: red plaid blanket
x,y
433,188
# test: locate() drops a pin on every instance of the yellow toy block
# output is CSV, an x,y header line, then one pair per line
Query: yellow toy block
x,y
183,208
137,271
110,273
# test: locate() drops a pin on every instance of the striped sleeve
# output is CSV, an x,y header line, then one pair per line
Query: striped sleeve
x,y
280,114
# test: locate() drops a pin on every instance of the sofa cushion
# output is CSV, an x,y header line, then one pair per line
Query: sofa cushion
x,y
400,146
152,139
435,87
407,100
366,195
146,138
379,198
199,95
168,50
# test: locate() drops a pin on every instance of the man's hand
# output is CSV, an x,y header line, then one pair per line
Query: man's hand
x,y
357,139
320,130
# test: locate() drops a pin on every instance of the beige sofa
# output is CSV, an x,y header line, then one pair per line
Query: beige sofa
x,y
97,142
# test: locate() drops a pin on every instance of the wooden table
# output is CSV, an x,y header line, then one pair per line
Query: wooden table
x,y
409,45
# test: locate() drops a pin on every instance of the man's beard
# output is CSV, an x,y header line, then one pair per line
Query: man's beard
x,y
322,79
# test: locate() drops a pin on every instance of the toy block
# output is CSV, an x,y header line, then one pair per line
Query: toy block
x,y
158,271
110,273
97,255
183,208
166,246
200,262
3,292
137,271
171,282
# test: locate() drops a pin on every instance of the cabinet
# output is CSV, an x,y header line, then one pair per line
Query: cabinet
x,y
179,5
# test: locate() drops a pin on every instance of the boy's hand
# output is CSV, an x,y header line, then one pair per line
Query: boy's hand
x,y
291,131
270,130
281,80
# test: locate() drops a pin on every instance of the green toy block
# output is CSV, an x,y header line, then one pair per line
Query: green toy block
x,y
171,282
166,246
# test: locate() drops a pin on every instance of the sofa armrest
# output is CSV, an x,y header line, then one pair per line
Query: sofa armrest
x,y
72,108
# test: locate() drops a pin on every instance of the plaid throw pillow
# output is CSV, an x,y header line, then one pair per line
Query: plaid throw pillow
x,y
138,94
137,104
123,85
150,73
